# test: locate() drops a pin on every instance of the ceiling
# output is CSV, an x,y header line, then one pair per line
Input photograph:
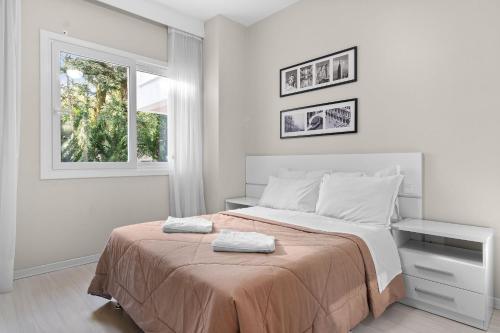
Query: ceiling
x,y
245,12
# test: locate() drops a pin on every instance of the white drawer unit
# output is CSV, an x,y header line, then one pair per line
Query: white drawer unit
x,y
241,202
448,269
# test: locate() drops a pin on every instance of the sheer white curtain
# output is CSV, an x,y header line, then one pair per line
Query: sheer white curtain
x,y
10,58
185,124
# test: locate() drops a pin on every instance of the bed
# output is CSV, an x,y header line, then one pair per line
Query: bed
x,y
326,275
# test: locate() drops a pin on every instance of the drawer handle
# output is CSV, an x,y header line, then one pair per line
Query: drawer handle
x,y
431,293
435,270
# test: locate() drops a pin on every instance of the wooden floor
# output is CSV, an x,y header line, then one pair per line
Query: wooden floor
x,y
58,302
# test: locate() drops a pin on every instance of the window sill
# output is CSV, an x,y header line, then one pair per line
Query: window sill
x,y
103,173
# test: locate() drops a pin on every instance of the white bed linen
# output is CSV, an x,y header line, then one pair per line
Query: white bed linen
x,y
192,224
378,238
236,241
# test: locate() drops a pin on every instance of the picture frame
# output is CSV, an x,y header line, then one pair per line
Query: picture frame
x,y
323,72
338,117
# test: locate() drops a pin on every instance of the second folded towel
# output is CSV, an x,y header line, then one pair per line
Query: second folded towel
x,y
237,241
193,224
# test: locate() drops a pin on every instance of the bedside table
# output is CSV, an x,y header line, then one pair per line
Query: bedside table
x,y
241,202
448,269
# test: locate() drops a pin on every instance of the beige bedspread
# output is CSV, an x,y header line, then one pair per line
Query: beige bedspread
x,y
313,282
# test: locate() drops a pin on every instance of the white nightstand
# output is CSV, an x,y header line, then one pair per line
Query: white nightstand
x,y
241,202
448,269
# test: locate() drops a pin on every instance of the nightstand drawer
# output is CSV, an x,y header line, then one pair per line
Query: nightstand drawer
x,y
440,264
242,202
448,298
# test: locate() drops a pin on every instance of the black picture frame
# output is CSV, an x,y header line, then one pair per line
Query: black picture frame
x,y
345,119
313,83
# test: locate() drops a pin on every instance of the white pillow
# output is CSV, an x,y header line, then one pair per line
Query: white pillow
x,y
292,194
390,171
359,199
298,174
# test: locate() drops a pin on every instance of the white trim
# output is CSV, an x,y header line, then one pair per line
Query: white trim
x,y
103,173
50,166
56,266
160,13
49,35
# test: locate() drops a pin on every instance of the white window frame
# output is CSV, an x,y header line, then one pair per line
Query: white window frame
x,y
51,44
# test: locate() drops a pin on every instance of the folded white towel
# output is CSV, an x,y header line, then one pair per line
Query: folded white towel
x,y
187,224
236,241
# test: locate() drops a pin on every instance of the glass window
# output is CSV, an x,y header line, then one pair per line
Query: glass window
x,y
94,110
152,117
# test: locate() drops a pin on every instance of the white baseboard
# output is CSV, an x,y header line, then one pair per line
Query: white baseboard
x,y
27,272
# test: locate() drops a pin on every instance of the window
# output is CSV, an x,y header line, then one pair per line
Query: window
x,y
104,111
92,106
151,117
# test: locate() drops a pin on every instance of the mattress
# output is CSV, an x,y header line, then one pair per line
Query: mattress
x,y
315,281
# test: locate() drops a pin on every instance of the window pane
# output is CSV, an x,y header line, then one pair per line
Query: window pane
x,y
94,110
151,117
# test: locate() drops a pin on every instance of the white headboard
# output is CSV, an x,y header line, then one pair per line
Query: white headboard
x,y
259,168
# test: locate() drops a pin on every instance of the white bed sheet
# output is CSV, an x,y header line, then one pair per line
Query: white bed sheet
x,y
378,239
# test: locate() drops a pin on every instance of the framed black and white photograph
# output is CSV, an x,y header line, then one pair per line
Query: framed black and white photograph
x,y
306,76
294,123
339,117
291,80
326,71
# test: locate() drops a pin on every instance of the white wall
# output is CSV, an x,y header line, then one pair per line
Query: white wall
x,y
224,111
64,219
428,80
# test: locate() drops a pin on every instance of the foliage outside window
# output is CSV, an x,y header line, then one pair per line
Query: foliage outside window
x,y
94,101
